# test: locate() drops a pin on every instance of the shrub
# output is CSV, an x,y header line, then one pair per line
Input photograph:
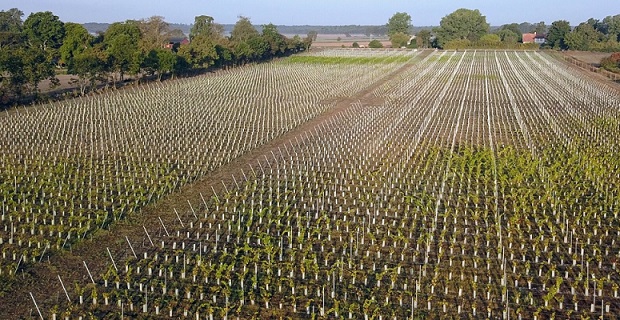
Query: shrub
x,y
375,44
611,63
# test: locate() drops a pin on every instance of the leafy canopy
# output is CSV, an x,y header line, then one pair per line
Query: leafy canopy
x,y
399,40
44,30
462,24
557,34
400,22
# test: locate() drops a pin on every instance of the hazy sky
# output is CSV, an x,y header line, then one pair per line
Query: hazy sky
x,y
318,12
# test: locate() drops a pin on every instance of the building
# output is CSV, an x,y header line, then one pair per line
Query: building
x,y
540,38
534,38
174,41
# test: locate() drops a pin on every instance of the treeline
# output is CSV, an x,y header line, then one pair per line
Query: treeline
x,y
469,29
465,28
36,49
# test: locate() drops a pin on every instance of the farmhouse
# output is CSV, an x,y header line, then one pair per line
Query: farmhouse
x,y
173,41
534,38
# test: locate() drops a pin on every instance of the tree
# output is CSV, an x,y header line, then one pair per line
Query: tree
x,y
611,27
11,20
557,34
375,44
490,40
44,30
248,43
243,30
355,45
166,62
13,78
400,22
583,37
276,41
539,28
508,36
510,33
155,32
423,38
224,50
399,40
11,27
513,27
206,26
90,66
122,39
77,40
312,35
36,68
258,47
200,52
462,24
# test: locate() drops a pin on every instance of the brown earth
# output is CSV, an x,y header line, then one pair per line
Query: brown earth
x,y
592,58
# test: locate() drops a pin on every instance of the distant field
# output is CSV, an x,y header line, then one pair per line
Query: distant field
x,y
593,58
332,41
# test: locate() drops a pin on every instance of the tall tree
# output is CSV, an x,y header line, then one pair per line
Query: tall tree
x,y
154,33
513,27
276,41
166,62
13,79
36,68
312,35
44,30
77,40
205,34
400,22
583,37
611,25
557,34
206,26
200,52
11,20
247,41
11,27
90,66
243,30
122,42
423,38
462,24
539,28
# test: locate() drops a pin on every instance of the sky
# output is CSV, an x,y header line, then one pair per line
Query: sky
x,y
318,12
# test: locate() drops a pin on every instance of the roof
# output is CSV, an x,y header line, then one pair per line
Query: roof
x,y
528,37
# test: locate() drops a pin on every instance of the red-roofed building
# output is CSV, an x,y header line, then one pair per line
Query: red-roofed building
x,y
178,41
533,38
528,37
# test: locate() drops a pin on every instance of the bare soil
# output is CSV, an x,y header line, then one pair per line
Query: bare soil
x,y
592,58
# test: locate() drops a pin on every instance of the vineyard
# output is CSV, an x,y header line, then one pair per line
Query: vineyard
x,y
477,184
